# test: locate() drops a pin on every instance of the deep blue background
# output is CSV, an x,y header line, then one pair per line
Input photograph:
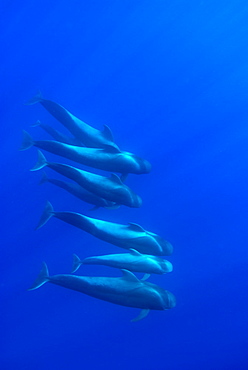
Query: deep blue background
x,y
171,80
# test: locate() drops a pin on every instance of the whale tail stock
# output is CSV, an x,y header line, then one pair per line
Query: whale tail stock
x,y
76,263
41,162
27,141
35,99
42,278
46,215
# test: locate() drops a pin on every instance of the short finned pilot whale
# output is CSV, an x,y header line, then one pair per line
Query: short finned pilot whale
x,y
108,159
124,236
132,261
80,193
88,135
127,290
110,188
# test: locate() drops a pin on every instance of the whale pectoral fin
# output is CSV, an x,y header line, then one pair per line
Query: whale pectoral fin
x,y
107,133
145,277
111,149
134,252
142,315
94,208
116,206
135,227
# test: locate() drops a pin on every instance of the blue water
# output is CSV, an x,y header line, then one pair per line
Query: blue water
x,y
171,80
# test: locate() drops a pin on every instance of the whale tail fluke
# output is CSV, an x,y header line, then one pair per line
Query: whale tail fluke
x,y
41,162
44,178
42,278
27,141
76,263
37,123
46,215
36,99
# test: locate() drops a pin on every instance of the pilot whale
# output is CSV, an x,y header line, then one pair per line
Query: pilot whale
x,y
110,188
124,236
132,261
108,159
80,193
57,135
127,290
88,135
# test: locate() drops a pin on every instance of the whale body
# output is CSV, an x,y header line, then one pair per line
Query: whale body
x,y
124,236
110,188
133,261
108,159
79,192
88,135
127,290
57,135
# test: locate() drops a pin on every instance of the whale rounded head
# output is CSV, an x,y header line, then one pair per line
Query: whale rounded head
x,y
134,201
146,166
142,165
129,198
166,249
166,266
169,300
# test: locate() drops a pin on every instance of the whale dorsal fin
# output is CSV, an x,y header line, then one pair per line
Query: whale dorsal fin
x,y
111,149
107,133
134,252
128,275
116,179
135,227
